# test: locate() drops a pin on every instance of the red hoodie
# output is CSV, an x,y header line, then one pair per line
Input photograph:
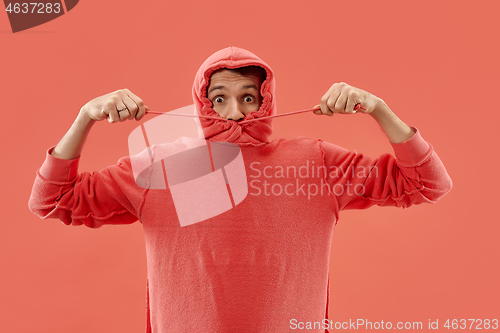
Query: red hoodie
x,y
263,265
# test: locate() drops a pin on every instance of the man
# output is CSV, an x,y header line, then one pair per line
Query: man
x,y
263,265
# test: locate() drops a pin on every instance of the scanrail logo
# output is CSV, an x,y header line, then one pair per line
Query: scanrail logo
x,y
205,179
26,15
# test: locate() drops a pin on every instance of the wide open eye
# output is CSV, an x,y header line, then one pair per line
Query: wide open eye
x,y
249,99
218,99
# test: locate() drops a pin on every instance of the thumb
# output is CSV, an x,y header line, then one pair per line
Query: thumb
x,y
318,109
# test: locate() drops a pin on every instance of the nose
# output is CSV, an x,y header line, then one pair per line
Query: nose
x,y
235,111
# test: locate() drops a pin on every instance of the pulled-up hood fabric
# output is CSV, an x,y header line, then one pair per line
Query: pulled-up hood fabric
x,y
255,133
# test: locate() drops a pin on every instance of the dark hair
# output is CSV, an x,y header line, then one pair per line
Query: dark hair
x,y
248,70
251,70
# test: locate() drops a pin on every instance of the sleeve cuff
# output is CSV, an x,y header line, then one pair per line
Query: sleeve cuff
x,y
413,151
57,169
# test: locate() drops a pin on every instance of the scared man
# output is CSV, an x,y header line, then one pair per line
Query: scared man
x,y
263,265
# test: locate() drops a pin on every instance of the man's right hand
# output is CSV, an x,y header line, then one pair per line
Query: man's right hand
x,y
117,106
103,107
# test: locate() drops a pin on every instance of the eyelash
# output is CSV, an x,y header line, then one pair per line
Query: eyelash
x,y
244,97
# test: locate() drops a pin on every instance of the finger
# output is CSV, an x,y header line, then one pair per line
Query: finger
x,y
340,104
139,102
352,101
332,100
123,111
131,106
318,112
146,110
324,101
111,111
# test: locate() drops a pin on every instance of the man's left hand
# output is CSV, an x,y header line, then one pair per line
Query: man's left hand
x,y
343,98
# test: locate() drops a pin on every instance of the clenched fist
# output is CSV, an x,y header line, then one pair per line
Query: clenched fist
x,y
343,98
116,106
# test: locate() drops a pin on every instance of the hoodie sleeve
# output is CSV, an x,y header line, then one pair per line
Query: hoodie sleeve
x,y
91,199
414,175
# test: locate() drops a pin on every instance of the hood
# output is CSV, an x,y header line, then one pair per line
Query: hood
x,y
255,133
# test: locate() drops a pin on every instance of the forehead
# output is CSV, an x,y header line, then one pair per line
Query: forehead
x,y
228,77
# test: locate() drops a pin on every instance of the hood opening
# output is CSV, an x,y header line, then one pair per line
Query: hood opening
x,y
251,70
253,133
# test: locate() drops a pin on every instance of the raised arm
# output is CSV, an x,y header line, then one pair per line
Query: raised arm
x,y
110,196
414,175
116,106
343,98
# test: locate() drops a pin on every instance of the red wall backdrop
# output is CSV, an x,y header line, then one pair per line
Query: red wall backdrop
x,y
434,62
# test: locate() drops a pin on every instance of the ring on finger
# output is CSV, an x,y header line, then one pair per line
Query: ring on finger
x,y
125,108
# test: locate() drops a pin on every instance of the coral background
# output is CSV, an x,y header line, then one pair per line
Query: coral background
x,y
435,63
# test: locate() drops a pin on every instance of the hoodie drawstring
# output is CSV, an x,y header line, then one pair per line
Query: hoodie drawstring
x,y
357,107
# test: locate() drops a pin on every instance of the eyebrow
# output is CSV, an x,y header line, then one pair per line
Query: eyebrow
x,y
242,88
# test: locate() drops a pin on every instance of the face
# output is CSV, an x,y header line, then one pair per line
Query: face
x,y
233,95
